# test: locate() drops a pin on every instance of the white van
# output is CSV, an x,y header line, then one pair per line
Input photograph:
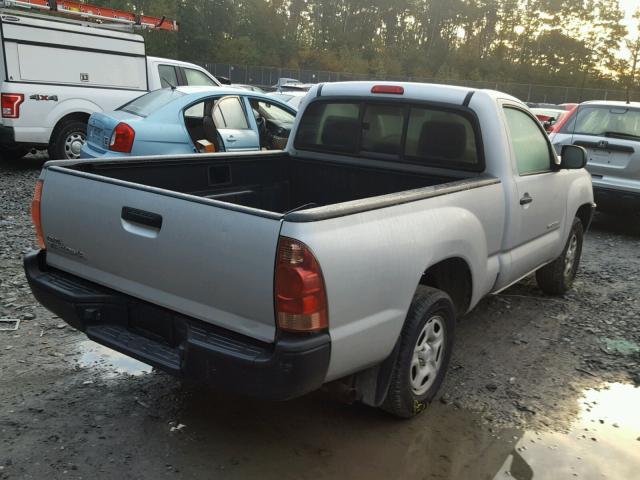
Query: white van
x,y
56,72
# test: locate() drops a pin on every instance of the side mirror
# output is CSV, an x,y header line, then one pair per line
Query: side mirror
x,y
573,157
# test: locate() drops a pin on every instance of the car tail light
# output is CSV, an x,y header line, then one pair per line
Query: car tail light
x,y
394,89
11,104
300,296
122,138
35,214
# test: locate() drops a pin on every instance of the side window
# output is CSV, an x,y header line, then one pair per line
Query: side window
x,y
228,113
195,111
168,76
196,77
529,143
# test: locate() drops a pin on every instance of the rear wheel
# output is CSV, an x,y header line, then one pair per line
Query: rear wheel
x,y
426,342
68,139
557,277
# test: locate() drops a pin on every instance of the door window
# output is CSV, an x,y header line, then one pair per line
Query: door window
x,y
168,76
196,77
529,142
228,113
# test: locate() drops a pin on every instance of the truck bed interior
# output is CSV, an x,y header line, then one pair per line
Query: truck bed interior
x,y
275,183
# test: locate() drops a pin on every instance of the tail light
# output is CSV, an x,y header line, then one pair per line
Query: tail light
x,y
393,89
300,296
11,104
122,138
35,213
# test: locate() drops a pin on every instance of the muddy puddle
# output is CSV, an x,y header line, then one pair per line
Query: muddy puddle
x,y
315,438
108,363
603,442
224,436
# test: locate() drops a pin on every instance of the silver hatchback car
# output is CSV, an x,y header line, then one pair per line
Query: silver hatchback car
x,y
610,131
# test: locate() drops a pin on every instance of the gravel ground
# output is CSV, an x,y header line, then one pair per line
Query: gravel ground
x,y
520,362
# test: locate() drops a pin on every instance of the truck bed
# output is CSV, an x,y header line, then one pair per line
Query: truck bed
x,y
275,183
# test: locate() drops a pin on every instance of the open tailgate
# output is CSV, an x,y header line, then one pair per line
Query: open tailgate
x,y
196,256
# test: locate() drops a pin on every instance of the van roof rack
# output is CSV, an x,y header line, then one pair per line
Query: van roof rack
x,y
100,17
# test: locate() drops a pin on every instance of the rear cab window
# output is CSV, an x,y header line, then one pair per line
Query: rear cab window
x,y
147,104
427,135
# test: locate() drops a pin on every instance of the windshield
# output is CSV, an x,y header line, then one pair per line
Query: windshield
x,y
147,104
274,113
607,122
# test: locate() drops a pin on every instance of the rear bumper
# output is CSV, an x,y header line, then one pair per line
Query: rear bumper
x,y
612,199
291,366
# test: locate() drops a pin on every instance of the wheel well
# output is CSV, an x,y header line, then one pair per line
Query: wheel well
x,y
83,117
453,277
585,213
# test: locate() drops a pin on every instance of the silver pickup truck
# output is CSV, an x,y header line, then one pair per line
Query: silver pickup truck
x,y
345,258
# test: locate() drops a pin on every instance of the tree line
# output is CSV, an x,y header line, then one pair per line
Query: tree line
x,y
563,42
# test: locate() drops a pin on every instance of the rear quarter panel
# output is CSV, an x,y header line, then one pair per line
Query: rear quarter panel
x,y
372,263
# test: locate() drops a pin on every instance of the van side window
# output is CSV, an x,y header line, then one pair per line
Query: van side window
x,y
168,76
530,146
228,113
196,77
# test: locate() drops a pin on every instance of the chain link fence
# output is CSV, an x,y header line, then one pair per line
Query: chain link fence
x,y
267,77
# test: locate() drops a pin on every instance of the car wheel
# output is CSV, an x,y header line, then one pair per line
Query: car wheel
x,y
13,152
557,277
67,140
424,352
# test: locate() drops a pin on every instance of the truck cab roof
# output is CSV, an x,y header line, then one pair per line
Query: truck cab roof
x,y
414,91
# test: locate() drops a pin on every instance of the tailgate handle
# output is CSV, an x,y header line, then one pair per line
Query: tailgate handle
x,y
142,217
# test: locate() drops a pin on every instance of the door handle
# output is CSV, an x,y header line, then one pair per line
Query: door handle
x,y
142,217
526,198
231,138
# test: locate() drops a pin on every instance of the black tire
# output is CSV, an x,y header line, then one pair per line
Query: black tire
x,y
13,152
556,277
428,304
58,148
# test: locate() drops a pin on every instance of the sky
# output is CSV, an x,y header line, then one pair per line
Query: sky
x,y
629,6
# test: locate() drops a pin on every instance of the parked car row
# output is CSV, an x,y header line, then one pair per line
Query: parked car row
x,y
189,119
51,87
